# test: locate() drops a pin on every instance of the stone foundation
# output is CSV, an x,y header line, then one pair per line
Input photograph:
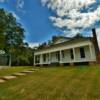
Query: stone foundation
x,y
41,65
61,64
92,63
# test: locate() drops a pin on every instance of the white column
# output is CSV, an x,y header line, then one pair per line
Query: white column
x,y
10,60
41,59
49,58
74,54
34,60
60,56
90,52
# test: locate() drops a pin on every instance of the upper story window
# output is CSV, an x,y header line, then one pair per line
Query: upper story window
x,y
82,52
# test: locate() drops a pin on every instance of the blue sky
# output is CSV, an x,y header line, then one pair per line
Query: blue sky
x,y
34,18
44,18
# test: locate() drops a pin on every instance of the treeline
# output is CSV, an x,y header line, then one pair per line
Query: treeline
x,y
12,40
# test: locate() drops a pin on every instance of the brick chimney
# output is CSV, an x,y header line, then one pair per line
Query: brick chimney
x,y
96,46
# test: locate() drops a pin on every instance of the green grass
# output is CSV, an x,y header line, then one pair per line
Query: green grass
x,y
55,83
11,70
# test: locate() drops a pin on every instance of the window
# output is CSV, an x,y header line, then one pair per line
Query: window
x,y
82,52
71,54
48,57
63,54
37,59
44,57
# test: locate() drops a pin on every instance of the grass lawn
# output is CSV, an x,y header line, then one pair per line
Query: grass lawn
x,y
55,83
11,70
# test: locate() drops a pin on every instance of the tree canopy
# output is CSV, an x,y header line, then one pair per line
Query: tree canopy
x,y
12,37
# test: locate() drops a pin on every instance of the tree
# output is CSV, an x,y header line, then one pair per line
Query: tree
x,y
11,33
11,40
43,45
2,41
2,28
78,35
50,42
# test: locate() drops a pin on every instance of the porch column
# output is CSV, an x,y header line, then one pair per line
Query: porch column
x,y
41,60
34,60
74,54
90,51
61,58
49,58
91,56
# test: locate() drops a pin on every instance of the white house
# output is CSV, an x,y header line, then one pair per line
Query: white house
x,y
68,51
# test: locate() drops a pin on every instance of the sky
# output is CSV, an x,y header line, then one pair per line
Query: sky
x,y
42,19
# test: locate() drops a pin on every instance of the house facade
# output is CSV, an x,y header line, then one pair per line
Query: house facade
x,y
68,51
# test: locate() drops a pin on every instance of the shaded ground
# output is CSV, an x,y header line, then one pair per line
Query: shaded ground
x,y
56,83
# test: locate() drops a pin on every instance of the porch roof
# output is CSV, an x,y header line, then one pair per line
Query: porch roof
x,y
71,40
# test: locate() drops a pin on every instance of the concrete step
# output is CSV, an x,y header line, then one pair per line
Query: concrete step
x,y
9,77
19,74
2,81
13,76
27,71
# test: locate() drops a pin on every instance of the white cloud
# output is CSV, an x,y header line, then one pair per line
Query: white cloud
x,y
69,16
16,16
71,33
98,35
3,1
20,4
31,45
44,2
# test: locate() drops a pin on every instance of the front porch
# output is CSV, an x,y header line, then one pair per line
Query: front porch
x,y
63,56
